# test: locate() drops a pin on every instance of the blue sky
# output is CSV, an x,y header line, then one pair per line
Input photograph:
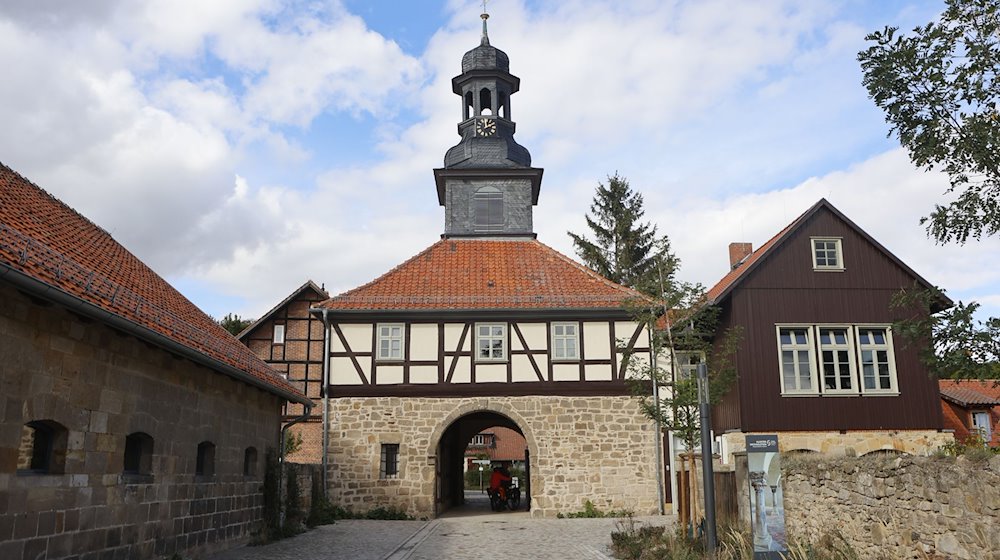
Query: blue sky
x,y
241,147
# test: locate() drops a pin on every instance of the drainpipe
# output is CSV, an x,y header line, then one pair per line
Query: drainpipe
x,y
281,454
326,400
658,436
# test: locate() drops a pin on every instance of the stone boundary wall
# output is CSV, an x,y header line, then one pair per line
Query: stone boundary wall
x,y
899,507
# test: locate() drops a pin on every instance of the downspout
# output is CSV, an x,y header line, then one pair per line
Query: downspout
x,y
281,455
326,401
658,436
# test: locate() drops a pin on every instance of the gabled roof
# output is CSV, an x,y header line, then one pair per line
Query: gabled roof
x,y
50,250
309,285
478,274
971,393
734,277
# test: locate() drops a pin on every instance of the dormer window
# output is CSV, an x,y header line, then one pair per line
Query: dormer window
x,y
827,254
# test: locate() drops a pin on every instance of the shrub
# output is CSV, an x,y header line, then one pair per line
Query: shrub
x,y
589,510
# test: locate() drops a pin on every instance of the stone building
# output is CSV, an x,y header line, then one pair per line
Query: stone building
x,y
487,327
290,340
131,424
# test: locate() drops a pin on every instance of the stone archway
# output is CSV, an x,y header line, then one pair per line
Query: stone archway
x,y
450,438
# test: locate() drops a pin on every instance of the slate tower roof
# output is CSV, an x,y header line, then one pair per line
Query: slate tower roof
x,y
487,184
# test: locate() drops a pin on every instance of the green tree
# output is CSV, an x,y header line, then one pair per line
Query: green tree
x,y
234,323
939,90
624,249
953,342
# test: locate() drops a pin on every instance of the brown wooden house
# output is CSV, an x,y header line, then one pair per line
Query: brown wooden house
x,y
290,340
819,363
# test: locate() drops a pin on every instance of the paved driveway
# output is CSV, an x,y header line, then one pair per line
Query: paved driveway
x,y
470,533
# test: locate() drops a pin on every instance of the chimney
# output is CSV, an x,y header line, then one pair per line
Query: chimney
x,y
738,252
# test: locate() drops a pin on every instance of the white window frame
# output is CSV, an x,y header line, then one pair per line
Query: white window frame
x,y
852,361
838,250
985,430
687,364
380,337
810,347
278,336
501,337
890,356
564,338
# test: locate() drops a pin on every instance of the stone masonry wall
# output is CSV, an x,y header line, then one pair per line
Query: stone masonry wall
x,y
901,507
102,385
582,448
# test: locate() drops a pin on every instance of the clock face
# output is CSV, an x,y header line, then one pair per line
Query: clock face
x,y
486,127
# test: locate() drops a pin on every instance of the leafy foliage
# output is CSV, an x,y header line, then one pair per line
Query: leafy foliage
x,y
953,343
938,88
590,511
234,323
973,447
624,249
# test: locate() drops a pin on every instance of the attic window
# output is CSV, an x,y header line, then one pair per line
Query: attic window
x,y
827,254
279,334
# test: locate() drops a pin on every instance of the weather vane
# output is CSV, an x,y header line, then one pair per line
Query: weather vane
x,y
484,5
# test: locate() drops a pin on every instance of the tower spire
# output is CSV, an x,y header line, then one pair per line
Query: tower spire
x,y
485,41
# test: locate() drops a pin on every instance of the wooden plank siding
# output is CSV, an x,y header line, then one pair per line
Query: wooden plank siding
x,y
785,289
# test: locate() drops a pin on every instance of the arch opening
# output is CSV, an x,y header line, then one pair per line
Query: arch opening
x,y
483,438
485,102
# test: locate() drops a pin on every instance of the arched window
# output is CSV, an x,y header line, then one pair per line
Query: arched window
x,y
502,110
485,102
488,209
250,461
43,448
468,104
205,464
138,454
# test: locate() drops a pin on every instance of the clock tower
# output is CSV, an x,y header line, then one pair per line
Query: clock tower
x,y
487,185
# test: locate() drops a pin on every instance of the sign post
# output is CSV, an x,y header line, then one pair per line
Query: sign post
x,y
767,509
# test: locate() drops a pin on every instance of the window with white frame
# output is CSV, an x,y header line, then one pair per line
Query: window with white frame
x,y
827,253
835,350
390,342
565,341
847,359
981,424
491,341
795,351
878,368
279,334
687,364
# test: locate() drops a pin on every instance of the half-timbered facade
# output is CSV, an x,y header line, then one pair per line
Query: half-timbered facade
x,y
487,327
290,340
820,364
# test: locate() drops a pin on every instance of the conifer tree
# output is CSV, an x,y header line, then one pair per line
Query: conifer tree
x,y
624,249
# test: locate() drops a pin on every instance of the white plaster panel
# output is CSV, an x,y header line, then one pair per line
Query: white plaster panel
x,y
389,375
463,371
491,373
522,370
536,335
359,336
597,373
623,333
452,332
423,374
638,365
596,341
423,341
565,372
342,372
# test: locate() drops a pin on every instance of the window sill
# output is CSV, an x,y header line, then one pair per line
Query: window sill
x,y
565,360
800,395
837,394
389,361
881,394
493,361
829,269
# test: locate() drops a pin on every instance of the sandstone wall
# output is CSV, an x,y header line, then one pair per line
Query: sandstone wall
x,y
596,448
851,443
102,385
903,507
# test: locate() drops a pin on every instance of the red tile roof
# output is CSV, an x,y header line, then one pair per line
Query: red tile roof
x,y
741,272
971,393
48,241
486,274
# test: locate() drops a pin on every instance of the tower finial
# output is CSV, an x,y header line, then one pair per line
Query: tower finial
x,y
486,38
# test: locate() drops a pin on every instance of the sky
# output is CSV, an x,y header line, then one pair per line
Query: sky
x,y
242,147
